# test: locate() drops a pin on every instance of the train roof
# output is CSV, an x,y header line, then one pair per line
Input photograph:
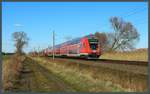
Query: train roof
x,y
73,41
58,46
90,36
77,40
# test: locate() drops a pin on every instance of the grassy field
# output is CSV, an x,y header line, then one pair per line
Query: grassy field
x,y
80,80
87,79
137,55
50,76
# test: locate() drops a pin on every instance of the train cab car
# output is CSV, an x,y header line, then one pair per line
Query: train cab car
x,y
89,47
84,47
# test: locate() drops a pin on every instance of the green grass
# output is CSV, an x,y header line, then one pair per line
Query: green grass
x,y
137,55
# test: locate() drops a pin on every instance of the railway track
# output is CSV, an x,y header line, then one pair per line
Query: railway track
x,y
125,62
140,63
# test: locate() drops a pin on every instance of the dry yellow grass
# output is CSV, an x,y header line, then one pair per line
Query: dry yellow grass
x,y
137,55
82,79
89,79
11,68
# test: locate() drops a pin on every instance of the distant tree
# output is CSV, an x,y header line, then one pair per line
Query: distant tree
x,y
103,41
124,37
20,39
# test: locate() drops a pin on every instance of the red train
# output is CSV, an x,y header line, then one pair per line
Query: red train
x,y
85,47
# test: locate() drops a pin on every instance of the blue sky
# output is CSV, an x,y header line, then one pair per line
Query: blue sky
x,y
75,19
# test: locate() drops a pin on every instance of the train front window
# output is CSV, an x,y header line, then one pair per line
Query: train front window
x,y
93,46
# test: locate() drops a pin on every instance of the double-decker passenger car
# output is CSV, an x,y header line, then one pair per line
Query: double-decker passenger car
x,y
85,47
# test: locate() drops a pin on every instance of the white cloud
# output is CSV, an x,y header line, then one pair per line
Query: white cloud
x,y
18,25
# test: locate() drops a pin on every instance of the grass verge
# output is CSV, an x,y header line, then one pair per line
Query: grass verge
x,y
81,79
11,68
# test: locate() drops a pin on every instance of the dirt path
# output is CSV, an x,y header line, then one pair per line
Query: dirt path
x,y
35,78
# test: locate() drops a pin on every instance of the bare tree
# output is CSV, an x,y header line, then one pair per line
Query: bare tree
x,y
124,37
20,39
